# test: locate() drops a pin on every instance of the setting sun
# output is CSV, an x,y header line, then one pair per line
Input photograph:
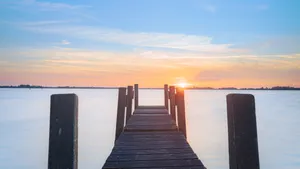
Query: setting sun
x,y
182,84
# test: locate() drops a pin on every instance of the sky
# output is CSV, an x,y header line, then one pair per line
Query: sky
x,y
213,43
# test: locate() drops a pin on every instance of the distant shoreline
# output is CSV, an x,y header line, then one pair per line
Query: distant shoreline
x,y
189,88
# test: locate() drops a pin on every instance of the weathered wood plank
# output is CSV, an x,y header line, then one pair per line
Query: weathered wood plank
x,y
189,167
151,107
154,163
150,142
153,146
182,167
155,111
152,151
149,139
150,129
148,157
163,133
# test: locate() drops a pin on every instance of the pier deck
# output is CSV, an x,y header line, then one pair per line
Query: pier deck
x,y
151,140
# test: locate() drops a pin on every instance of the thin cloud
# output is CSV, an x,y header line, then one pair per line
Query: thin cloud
x,y
65,42
49,6
140,39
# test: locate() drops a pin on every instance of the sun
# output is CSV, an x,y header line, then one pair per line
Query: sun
x,y
182,84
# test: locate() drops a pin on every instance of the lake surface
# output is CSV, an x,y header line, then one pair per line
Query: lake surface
x,y
24,126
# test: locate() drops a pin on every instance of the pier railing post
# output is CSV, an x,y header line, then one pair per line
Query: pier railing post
x,y
63,135
129,102
166,91
120,111
181,110
172,103
242,132
136,95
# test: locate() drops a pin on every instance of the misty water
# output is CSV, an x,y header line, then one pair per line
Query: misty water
x,y
24,126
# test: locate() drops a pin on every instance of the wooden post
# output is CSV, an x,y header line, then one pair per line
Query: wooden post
x,y
129,102
242,132
63,135
172,102
121,112
166,90
181,110
136,95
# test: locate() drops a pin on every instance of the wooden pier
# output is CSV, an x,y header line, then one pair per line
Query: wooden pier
x,y
152,137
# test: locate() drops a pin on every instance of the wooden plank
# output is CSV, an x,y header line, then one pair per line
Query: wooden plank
x,y
163,133
148,145
151,107
150,142
150,127
148,157
63,135
152,151
149,123
154,163
153,139
151,111
134,140
182,167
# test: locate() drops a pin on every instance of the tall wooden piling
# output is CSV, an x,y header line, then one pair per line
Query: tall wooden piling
x,y
120,111
166,93
136,95
242,132
172,103
181,110
63,135
129,102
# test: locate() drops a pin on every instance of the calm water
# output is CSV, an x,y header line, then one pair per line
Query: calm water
x,y
24,126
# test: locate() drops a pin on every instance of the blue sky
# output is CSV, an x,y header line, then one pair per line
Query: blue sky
x,y
166,29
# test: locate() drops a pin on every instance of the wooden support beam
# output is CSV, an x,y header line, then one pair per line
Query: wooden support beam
x,y
172,102
63,135
181,110
121,111
242,132
129,102
166,91
136,95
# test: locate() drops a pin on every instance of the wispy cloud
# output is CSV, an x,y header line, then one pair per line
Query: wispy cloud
x,y
140,39
46,22
49,6
65,42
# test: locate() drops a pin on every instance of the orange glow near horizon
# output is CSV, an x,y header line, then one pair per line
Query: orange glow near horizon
x,y
89,68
